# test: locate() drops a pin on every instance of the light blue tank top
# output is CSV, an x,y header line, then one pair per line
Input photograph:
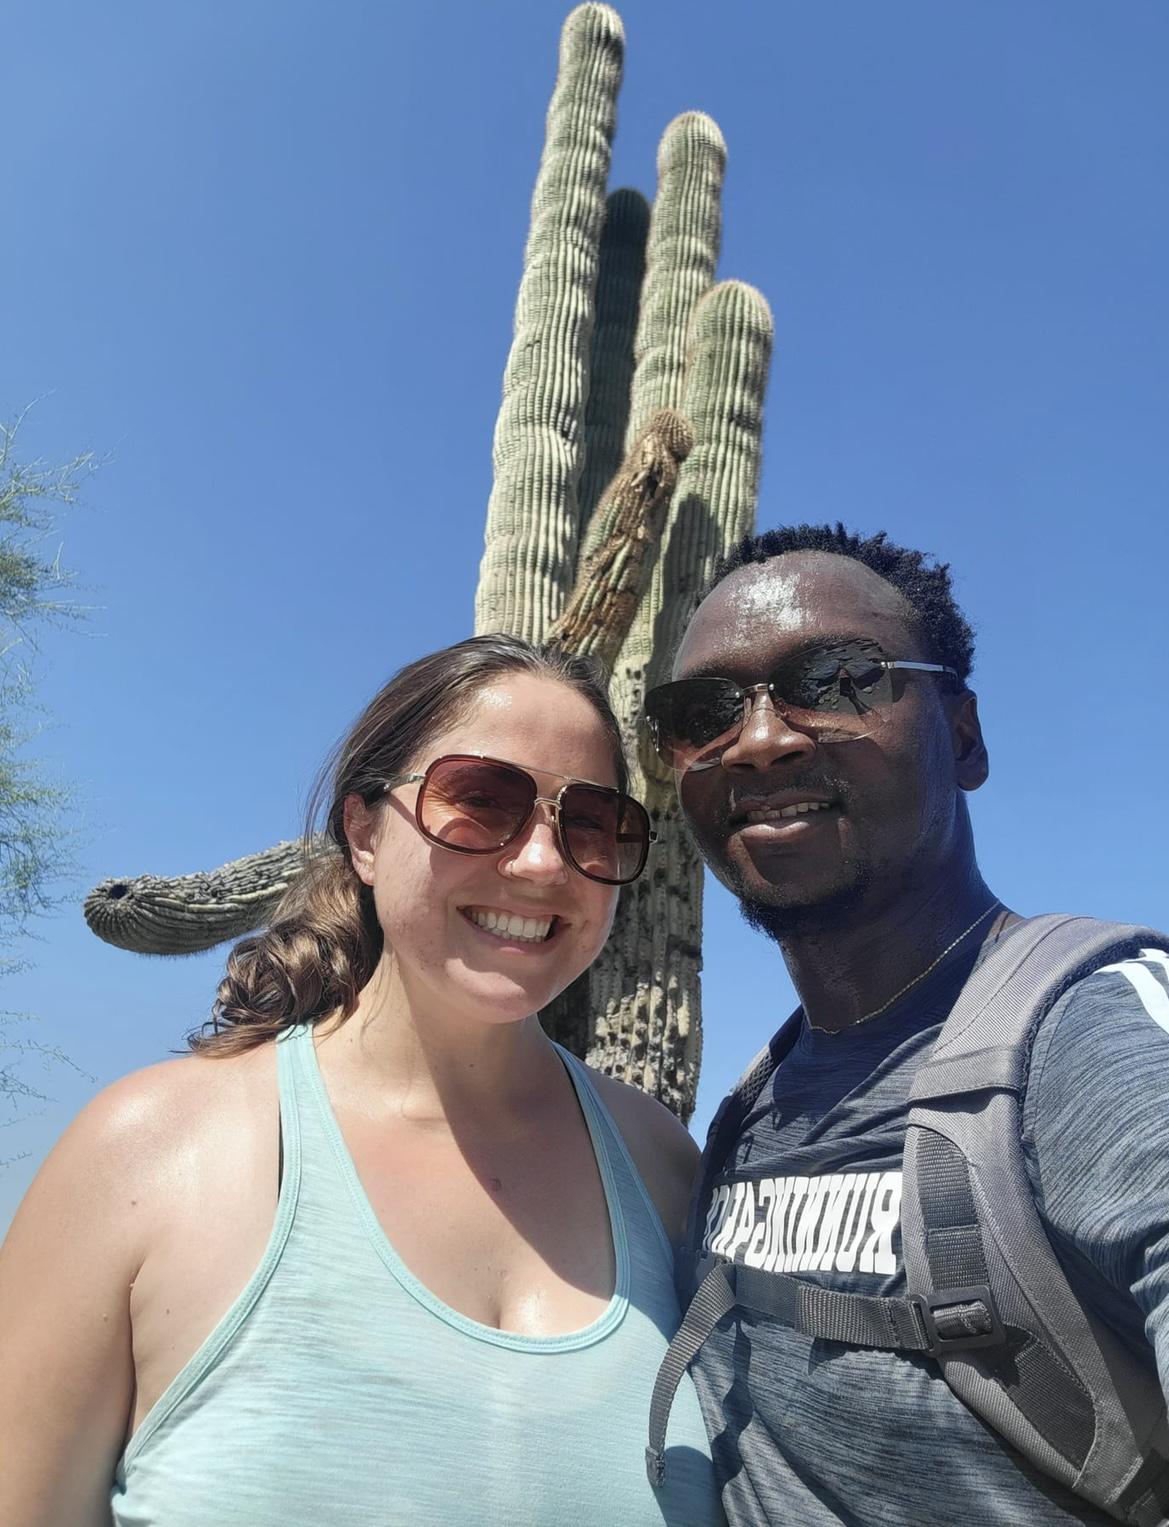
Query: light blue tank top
x,y
338,1390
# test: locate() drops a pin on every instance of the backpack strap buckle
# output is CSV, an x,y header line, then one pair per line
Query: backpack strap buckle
x,y
959,1319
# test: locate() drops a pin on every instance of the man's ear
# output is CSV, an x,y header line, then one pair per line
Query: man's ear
x,y
360,822
971,763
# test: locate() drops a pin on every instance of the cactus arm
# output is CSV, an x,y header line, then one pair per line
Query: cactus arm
x,y
532,516
184,914
644,992
730,345
685,233
612,577
684,236
619,278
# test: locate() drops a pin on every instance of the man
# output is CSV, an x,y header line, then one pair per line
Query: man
x,y
825,785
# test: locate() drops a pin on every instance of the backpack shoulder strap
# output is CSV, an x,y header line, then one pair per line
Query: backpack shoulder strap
x,y
721,1136
703,1294
1058,1386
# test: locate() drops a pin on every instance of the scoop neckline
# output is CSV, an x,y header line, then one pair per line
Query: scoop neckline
x,y
609,1318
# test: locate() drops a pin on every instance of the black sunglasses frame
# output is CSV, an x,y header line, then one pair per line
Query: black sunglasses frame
x,y
553,802
746,695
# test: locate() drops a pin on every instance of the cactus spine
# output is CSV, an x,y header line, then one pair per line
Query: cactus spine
x,y
622,347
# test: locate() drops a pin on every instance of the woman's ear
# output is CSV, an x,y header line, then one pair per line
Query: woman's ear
x,y
360,823
970,756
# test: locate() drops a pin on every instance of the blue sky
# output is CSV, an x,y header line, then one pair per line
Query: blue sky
x,y
265,256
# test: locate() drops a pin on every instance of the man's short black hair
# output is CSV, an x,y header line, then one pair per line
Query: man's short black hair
x,y
925,585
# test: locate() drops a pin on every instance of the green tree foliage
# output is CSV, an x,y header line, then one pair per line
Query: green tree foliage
x,y
34,835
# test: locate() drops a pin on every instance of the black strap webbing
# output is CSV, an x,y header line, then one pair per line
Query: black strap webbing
x,y
948,1320
713,1300
1044,1389
862,1320
1146,1501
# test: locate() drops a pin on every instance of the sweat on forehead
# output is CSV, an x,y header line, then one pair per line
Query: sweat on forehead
x,y
765,609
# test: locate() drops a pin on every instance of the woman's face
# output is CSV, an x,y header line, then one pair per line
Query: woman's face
x,y
432,903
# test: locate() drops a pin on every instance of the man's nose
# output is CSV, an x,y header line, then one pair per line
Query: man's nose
x,y
767,737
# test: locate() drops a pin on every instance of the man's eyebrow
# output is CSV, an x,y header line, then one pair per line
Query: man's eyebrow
x,y
826,641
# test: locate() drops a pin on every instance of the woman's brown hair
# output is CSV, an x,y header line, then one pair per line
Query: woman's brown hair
x,y
325,941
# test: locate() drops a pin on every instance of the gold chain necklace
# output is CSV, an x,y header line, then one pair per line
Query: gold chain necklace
x,y
917,980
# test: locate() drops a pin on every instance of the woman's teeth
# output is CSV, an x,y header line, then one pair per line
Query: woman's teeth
x,y
528,930
775,813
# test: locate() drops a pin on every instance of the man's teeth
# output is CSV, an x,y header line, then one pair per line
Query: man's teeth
x,y
776,813
528,930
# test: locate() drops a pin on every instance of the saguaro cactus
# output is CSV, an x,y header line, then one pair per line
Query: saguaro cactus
x,y
623,347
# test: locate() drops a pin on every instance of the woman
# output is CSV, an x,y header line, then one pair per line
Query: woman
x,y
378,1252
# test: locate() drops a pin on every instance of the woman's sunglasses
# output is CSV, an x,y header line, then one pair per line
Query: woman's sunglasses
x,y
834,693
475,805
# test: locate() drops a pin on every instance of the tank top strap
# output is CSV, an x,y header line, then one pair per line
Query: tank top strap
x,y
208,1356
328,1193
291,1153
639,1213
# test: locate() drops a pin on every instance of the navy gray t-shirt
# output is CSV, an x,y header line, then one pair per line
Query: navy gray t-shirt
x,y
807,1431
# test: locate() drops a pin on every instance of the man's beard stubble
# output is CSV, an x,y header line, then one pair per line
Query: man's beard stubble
x,y
785,918
838,908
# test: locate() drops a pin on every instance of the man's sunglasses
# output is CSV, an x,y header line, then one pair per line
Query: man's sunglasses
x,y
476,805
833,693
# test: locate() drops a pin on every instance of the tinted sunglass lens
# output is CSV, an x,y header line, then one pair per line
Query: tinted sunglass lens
x,y
688,718
832,696
633,839
588,821
475,805
843,687
605,834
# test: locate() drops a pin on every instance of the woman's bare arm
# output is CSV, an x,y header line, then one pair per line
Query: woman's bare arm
x,y
66,1269
662,1150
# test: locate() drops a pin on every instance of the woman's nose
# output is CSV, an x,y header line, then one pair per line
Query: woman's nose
x,y
536,854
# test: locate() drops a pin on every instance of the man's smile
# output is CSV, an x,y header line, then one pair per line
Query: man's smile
x,y
789,825
778,806
775,818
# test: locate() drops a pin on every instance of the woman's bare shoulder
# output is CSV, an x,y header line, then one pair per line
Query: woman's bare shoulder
x,y
662,1148
127,1139
159,1105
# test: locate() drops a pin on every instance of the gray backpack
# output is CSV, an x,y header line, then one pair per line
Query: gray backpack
x,y
988,1300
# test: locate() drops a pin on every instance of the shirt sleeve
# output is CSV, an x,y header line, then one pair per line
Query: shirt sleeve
x,y
1096,1139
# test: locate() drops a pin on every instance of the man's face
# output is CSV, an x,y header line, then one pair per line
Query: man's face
x,y
883,811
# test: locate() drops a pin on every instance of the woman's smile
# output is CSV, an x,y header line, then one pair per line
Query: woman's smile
x,y
512,927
